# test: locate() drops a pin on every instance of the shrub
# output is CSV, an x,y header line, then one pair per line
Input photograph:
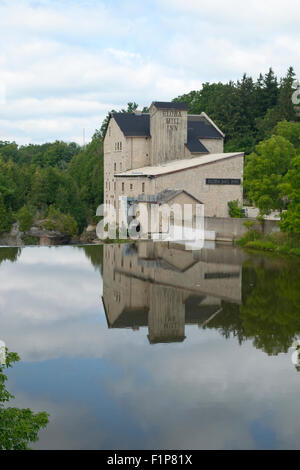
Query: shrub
x,y
249,236
235,209
30,240
295,251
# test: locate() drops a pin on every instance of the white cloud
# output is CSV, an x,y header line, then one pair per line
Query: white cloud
x,y
64,65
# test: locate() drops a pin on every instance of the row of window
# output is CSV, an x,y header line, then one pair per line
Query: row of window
x,y
131,187
115,167
118,146
107,185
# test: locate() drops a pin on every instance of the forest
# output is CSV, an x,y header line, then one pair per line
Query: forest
x,y
61,184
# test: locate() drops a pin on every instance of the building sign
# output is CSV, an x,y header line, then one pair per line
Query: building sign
x,y
172,119
223,181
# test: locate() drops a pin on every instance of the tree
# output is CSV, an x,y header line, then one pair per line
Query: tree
x,y
290,188
25,218
60,222
5,217
265,170
18,427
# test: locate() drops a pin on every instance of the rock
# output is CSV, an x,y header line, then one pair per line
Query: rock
x,y
91,228
13,238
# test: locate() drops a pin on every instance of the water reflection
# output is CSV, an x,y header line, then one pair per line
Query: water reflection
x,y
164,287
224,386
9,254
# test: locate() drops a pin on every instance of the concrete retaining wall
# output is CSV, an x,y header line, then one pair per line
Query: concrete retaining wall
x,y
228,229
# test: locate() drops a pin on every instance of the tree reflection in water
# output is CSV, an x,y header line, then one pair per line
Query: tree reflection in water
x,y
18,427
270,311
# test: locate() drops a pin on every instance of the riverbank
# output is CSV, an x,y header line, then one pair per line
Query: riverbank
x,y
280,243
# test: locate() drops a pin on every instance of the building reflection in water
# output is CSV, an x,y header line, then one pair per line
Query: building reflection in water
x,y
164,287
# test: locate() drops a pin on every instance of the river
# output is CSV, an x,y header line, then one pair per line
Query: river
x,y
150,346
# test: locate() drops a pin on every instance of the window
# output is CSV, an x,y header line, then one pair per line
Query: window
x,y
123,187
115,167
131,187
120,145
115,186
143,187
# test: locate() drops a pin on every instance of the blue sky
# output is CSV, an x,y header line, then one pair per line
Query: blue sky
x,y
65,63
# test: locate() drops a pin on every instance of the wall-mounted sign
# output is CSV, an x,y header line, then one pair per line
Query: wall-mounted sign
x,y
223,181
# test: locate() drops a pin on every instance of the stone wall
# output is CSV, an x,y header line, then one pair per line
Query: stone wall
x,y
228,229
213,145
214,197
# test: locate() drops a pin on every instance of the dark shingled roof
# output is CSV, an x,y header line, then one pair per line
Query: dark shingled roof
x,y
199,126
133,125
138,125
170,105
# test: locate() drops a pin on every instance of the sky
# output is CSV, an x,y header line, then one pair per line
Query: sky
x,y
64,64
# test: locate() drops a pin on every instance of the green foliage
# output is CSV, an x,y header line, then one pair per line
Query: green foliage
x,y
5,217
279,242
235,209
9,254
60,222
265,170
30,240
250,236
261,245
247,111
25,217
270,310
290,188
18,427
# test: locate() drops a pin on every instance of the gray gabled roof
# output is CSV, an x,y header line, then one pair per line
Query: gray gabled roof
x,y
163,197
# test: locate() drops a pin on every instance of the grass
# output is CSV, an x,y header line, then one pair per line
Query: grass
x,y
279,242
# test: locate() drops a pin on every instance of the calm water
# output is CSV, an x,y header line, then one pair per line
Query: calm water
x,y
150,346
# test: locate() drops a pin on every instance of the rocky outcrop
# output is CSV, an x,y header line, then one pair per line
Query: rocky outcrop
x,y
13,238
37,235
